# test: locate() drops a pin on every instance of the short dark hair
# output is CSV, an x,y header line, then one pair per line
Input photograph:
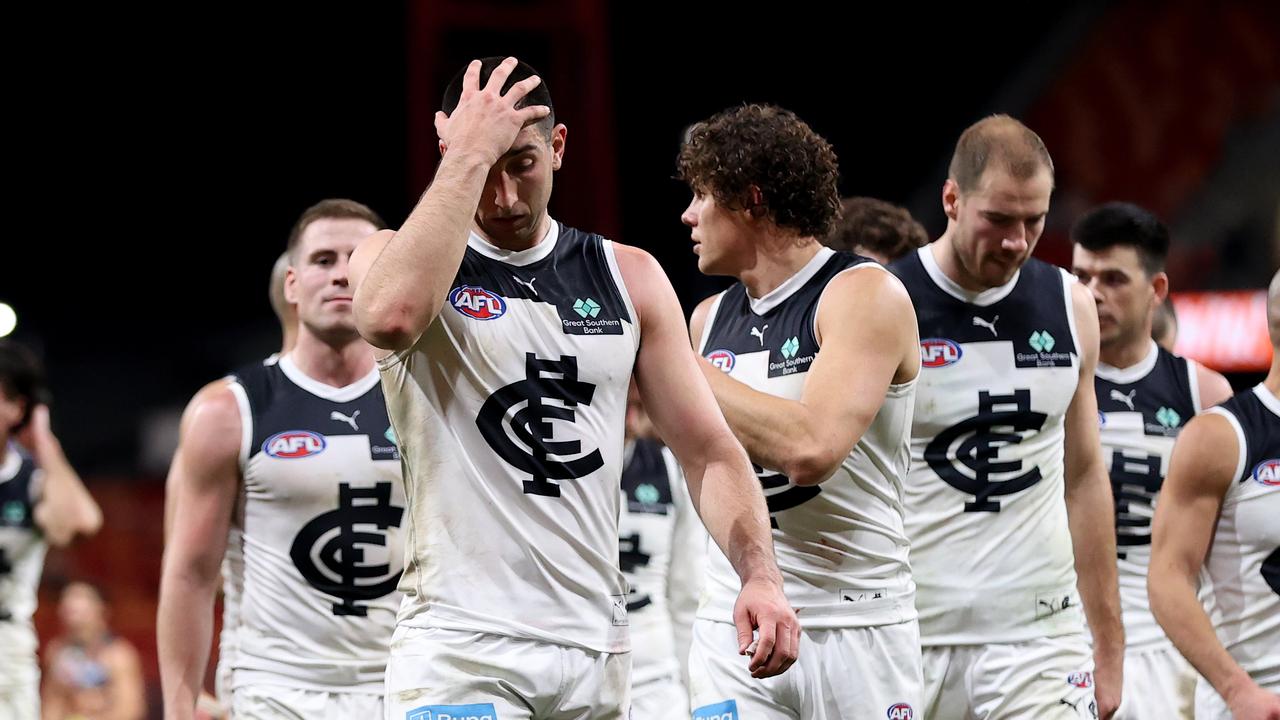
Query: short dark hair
x,y
1001,140
770,149
1121,223
540,95
331,209
878,226
22,378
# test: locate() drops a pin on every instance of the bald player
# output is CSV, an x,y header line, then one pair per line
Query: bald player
x,y
1219,520
1009,508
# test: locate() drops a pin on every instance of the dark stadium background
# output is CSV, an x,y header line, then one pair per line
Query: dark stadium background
x,y
160,157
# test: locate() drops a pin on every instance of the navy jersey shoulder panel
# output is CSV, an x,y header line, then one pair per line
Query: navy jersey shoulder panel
x,y
739,329
645,481
1163,396
1261,429
280,406
575,272
1033,317
16,507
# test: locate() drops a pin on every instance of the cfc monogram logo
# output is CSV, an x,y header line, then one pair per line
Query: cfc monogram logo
x,y
531,424
329,551
966,455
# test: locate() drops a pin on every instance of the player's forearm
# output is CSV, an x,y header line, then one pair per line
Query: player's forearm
x,y
777,433
1091,518
1172,593
728,498
184,632
405,286
66,507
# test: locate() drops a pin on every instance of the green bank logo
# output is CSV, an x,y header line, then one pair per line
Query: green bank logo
x,y
586,308
1168,418
648,494
14,512
390,435
1042,341
790,348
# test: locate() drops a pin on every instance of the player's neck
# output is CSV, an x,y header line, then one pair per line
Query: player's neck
x,y
1127,352
778,258
335,365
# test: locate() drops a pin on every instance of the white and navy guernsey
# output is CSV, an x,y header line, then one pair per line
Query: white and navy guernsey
x,y
1141,410
1243,567
509,410
22,549
320,514
990,545
841,545
660,548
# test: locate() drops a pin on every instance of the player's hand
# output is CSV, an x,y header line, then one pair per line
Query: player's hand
x,y
38,435
1253,703
486,122
1107,684
208,708
763,608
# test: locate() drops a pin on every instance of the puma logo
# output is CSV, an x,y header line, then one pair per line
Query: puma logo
x,y
529,285
335,415
1126,399
991,325
759,333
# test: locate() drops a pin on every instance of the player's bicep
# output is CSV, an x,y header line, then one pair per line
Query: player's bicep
x,y
867,327
1083,448
204,480
1201,470
674,392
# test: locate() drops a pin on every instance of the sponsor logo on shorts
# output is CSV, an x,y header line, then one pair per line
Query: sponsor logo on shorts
x,y
901,711
939,352
1080,679
1268,473
292,444
482,711
478,303
727,710
722,359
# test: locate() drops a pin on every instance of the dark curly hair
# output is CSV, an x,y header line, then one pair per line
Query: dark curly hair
x,y
876,226
768,148
22,378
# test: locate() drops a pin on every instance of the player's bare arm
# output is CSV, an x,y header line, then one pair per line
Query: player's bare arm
x,y
868,338
1200,471
1091,515
721,482
66,509
203,482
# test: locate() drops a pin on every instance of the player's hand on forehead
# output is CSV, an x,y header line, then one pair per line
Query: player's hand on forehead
x,y
486,121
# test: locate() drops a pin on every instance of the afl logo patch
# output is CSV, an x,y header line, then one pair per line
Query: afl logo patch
x,y
939,352
1080,679
292,444
1268,473
722,359
477,303
901,711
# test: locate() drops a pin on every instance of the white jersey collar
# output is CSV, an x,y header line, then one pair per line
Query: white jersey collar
x,y
519,258
1133,373
1270,401
328,392
983,298
776,296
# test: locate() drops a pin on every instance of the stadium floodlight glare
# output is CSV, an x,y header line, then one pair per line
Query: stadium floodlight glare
x,y
8,320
